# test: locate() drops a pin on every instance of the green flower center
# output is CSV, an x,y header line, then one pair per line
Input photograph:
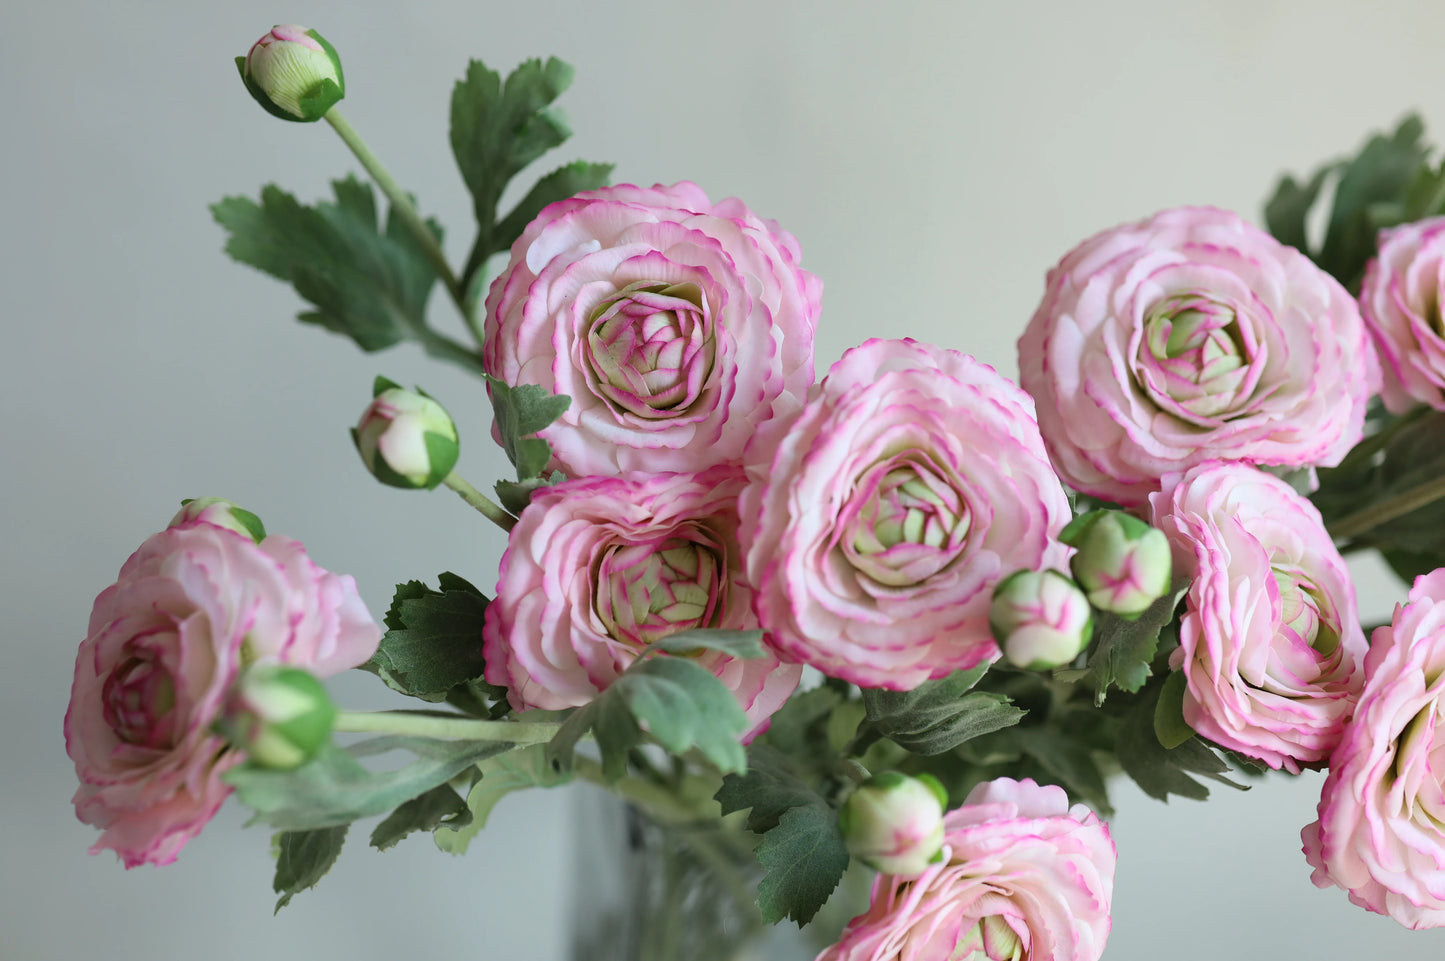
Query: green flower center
x,y
647,591
908,522
1195,359
650,349
992,939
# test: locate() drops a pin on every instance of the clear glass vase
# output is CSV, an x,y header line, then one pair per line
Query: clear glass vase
x,y
647,891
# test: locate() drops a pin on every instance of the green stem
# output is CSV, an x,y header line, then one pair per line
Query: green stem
x,y
442,728
1362,521
401,203
480,501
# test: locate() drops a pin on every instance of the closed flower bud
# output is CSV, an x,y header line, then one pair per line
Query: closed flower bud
x,y
405,438
221,513
280,716
1041,619
1122,563
294,73
894,823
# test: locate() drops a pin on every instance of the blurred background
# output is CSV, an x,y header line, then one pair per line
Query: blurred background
x,y
933,157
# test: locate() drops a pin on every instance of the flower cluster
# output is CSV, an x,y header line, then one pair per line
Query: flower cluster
x,y
696,523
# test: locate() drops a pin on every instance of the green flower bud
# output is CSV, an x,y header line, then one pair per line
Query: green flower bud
x,y
221,513
294,73
405,438
894,823
1122,563
280,716
1041,619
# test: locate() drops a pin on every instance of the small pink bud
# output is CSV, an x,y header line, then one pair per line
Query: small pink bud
x,y
221,513
294,73
1041,619
405,438
894,823
1122,563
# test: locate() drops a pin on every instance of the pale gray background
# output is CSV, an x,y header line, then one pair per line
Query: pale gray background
x,y
933,158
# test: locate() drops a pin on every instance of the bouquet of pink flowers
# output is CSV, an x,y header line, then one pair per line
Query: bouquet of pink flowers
x,y
910,617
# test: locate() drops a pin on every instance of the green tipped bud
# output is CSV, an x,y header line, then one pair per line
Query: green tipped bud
x,y
1122,563
280,716
894,823
221,513
405,438
1040,619
294,73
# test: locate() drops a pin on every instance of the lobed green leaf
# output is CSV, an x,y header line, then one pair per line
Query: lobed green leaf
x,y
501,775
432,810
804,857
303,858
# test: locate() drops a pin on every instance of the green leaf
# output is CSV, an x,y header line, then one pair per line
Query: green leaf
x,y
1162,771
335,788
522,411
804,857
1382,172
303,858
369,285
1123,648
769,788
1068,761
1286,212
678,703
800,727
937,716
499,128
500,775
1169,725
516,495
742,644
558,185
425,812
433,639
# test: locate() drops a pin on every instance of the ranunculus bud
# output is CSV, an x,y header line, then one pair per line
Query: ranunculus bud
x,y
221,513
894,823
1122,563
280,716
405,438
294,73
1040,618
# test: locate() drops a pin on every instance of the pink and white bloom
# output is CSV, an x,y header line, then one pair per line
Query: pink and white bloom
x,y
676,326
1269,643
1401,299
912,482
1187,337
1024,876
165,644
600,567
1381,828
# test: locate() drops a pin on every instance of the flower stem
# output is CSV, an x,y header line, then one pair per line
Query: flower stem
x,y
480,501
1362,521
402,204
442,728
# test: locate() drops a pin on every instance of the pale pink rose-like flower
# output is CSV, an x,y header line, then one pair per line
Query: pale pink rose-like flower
x,y
676,326
600,567
910,484
165,643
1381,828
1401,299
1187,337
1270,643
1024,876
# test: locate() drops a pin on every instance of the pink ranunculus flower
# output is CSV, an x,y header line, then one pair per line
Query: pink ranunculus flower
x,y
597,568
910,484
1403,302
166,641
1381,828
1270,643
675,324
1187,337
1024,876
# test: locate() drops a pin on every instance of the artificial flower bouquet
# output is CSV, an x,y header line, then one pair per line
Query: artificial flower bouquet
x,y
910,618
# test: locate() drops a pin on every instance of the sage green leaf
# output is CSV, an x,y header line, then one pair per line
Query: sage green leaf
x,y
520,412
500,775
558,185
303,858
1160,771
1286,212
769,788
1169,725
1069,762
804,857
428,811
1381,173
433,641
365,283
937,716
1123,649
335,788
741,644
